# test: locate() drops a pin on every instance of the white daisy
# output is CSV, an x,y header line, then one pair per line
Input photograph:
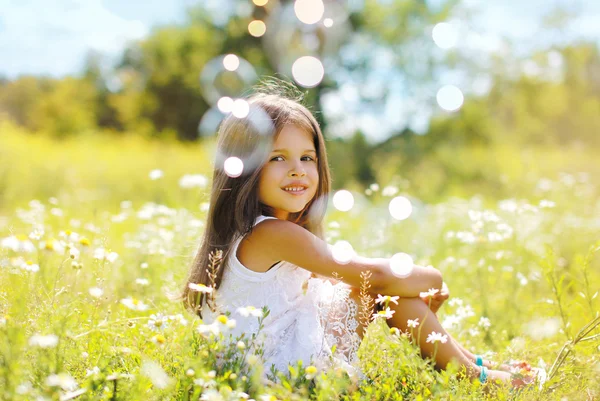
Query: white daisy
x,y
434,337
134,304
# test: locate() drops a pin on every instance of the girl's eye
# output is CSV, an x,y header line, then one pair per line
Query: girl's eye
x,y
309,157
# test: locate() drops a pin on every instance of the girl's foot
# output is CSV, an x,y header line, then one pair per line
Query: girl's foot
x,y
517,379
479,361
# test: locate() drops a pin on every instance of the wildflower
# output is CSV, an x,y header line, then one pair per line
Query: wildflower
x,y
200,288
76,265
434,337
30,266
544,203
389,190
96,292
142,281
134,304
36,234
155,372
211,395
17,243
62,380
484,322
251,359
430,293
24,388
158,322
311,371
205,329
3,320
412,323
386,299
193,180
224,320
374,187
144,265
48,341
73,252
156,174
179,317
190,372
89,372
250,310
394,331
387,313
84,241
240,345
158,339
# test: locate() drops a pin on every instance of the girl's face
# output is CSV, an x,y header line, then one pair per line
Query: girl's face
x,y
291,163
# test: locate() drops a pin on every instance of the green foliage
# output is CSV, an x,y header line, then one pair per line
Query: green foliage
x,y
535,303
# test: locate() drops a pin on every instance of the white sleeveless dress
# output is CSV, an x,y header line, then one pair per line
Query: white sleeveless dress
x,y
308,315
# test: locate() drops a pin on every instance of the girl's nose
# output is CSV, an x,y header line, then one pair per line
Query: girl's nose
x,y
298,170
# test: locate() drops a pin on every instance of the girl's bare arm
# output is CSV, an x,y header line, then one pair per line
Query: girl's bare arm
x,y
283,240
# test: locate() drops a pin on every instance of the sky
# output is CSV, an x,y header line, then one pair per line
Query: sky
x,y
44,37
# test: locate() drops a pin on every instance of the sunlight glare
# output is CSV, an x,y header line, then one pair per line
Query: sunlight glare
x,y
233,166
342,252
400,208
401,265
343,200
309,11
240,108
308,71
225,104
450,98
231,62
257,28
444,35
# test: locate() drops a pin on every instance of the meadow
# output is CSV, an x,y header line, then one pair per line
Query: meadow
x,y
97,233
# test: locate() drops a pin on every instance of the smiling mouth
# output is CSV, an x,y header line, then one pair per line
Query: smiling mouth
x,y
295,192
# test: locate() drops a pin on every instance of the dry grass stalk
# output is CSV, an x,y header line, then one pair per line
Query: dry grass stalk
x,y
366,300
215,258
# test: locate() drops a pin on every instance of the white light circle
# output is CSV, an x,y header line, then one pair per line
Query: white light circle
x,y
342,252
225,104
231,62
233,166
400,208
450,98
343,200
308,71
240,108
328,22
309,11
401,265
445,35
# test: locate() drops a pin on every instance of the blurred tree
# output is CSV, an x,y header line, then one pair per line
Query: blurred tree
x,y
17,98
66,108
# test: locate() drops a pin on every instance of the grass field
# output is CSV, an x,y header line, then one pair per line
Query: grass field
x,y
97,232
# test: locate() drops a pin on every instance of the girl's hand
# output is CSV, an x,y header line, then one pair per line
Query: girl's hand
x,y
435,301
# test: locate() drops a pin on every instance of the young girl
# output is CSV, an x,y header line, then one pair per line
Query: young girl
x,y
267,221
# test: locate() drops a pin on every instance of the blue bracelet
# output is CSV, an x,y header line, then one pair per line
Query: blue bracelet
x,y
479,360
483,375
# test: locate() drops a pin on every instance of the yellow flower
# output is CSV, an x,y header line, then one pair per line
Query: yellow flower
x,y
84,241
159,339
311,370
222,319
50,245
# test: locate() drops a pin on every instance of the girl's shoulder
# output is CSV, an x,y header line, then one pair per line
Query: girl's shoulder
x,y
252,249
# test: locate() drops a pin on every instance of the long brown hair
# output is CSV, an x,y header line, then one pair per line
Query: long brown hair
x,y
234,202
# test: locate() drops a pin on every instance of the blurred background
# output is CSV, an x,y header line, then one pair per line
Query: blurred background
x,y
439,98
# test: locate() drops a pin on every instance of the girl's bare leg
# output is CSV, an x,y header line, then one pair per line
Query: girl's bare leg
x,y
473,357
414,308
